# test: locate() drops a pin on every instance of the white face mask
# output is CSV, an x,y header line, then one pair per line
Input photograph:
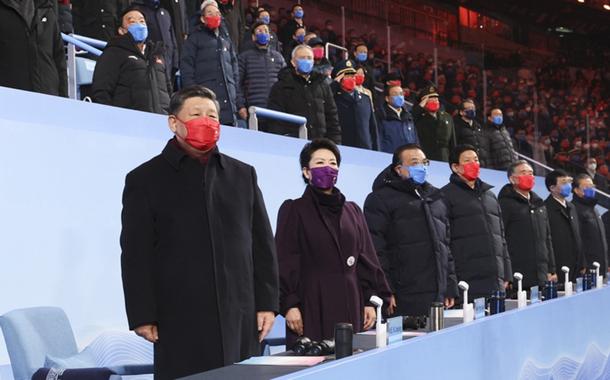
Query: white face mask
x,y
592,167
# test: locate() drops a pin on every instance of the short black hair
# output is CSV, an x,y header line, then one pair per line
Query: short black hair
x,y
297,28
552,177
467,100
314,145
256,25
511,168
387,88
360,43
396,159
130,9
195,91
578,178
296,5
454,156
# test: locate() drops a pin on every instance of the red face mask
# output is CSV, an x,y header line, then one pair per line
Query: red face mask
x,y
433,106
525,182
202,133
212,22
318,52
359,79
348,84
471,170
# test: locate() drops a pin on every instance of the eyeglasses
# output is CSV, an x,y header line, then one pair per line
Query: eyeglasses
x,y
425,162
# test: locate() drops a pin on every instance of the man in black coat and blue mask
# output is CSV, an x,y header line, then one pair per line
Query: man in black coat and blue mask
x,y
592,230
477,230
409,225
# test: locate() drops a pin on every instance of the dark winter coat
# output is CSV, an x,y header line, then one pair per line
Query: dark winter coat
x,y
475,136
33,56
124,77
328,274
501,151
395,130
592,233
356,117
160,29
409,225
248,44
528,235
198,259
97,18
209,59
436,134
565,232
258,71
178,12
311,98
477,236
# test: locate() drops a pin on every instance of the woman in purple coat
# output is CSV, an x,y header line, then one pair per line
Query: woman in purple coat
x,y
328,265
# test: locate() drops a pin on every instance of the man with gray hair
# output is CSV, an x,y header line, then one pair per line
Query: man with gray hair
x,y
305,93
526,227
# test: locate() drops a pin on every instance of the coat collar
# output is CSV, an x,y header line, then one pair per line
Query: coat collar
x,y
175,155
508,191
479,185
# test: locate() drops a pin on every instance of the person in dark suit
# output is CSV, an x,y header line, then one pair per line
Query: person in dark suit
x,y
592,230
328,266
198,260
563,220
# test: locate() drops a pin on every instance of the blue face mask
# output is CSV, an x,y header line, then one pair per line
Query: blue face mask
x,y
262,38
300,38
265,20
299,13
139,32
497,120
304,66
361,57
397,101
470,114
417,173
589,192
566,190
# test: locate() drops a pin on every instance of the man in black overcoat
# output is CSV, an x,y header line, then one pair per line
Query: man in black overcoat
x,y
198,257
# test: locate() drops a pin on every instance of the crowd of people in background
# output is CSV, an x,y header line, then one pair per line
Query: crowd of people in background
x,y
257,54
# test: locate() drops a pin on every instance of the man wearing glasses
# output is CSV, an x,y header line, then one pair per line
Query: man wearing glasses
x,y
563,220
409,226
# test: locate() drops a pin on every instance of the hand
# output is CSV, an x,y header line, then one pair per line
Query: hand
x,y
392,306
449,302
294,320
551,277
243,113
148,332
265,320
369,317
423,102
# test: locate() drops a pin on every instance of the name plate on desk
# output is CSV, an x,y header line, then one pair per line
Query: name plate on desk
x,y
479,308
578,284
394,330
534,294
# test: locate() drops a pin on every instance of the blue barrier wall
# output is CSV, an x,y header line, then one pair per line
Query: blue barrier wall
x,y
61,179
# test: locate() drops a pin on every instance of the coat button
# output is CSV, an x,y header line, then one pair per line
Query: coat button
x,y
532,211
351,261
102,10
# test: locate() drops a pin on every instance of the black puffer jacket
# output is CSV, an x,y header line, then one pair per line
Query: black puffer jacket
x,y
258,70
33,56
501,151
409,225
124,77
592,233
566,236
528,235
473,135
477,236
311,98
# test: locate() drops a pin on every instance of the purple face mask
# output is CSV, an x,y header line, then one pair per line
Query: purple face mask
x,y
324,177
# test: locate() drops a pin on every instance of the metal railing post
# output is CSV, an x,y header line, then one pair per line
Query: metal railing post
x,y
252,120
72,90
